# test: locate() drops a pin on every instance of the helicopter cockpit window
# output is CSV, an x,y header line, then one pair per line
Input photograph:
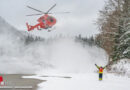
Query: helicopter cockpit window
x,y
43,21
50,19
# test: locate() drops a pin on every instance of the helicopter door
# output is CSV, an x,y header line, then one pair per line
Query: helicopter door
x,y
45,23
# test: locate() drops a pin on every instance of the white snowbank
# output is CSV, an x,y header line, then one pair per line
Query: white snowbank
x,y
122,67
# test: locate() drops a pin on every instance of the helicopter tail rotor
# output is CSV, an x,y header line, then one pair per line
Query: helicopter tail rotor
x,y
29,27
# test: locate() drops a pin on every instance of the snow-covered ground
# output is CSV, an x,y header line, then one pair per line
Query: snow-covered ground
x,y
88,81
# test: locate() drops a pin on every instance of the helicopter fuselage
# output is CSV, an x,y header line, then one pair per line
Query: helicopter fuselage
x,y
47,21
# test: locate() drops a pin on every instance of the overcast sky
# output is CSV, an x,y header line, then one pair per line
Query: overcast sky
x,y
80,21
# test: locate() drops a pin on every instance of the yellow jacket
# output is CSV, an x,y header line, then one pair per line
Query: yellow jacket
x,y
100,68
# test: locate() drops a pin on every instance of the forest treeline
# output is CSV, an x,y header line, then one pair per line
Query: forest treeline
x,y
114,25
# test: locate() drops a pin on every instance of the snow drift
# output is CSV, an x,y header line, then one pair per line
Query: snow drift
x,y
122,67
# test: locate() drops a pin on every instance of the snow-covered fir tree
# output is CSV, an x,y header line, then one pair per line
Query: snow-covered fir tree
x,y
114,23
122,47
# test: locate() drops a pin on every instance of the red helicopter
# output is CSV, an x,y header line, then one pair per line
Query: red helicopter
x,y
45,22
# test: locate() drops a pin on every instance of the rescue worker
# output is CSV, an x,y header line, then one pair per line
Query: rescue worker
x,y
100,71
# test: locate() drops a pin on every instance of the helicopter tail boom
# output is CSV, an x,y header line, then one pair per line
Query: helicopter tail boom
x,y
29,27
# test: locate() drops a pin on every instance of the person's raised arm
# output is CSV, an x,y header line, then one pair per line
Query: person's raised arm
x,y
104,67
97,66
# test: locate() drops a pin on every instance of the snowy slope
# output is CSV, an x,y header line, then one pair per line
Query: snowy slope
x,y
9,36
8,30
10,44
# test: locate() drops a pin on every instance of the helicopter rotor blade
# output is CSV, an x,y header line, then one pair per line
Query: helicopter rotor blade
x,y
50,8
59,13
34,14
35,9
48,12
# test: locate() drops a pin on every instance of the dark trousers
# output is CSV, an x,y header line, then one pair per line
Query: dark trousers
x,y
100,76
